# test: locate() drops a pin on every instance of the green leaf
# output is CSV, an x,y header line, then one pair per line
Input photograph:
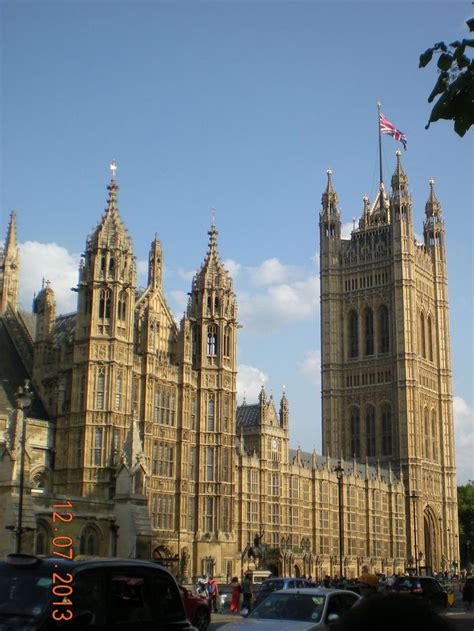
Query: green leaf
x,y
468,42
440,46
440,86
470,24
455,44
425,58
445,60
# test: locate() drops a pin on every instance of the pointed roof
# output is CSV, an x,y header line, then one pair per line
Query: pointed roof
x,y
132,453
111,231
212,270
329,198
432,207
399,177
11,247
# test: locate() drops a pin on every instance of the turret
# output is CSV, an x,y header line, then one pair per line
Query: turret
x,y
433,226
9,269
330,216
44,306
400,200
284,411
155,264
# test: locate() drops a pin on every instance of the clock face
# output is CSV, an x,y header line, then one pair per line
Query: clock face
x,y
274,443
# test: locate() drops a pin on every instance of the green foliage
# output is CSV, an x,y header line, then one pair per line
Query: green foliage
x,y
455,85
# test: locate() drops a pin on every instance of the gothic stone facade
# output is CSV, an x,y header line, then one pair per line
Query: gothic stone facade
x,y
135,421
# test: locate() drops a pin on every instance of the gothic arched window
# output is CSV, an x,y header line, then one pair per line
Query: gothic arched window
x,y
122,306
104,304
430,339
118,392
89,541
370,430
212,340
422,336
100,388
384,330
434,436
227,338
369,332
386,430
210,415
355,432
353,334
426,434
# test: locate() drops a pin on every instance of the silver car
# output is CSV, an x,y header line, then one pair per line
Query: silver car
x,y
309,609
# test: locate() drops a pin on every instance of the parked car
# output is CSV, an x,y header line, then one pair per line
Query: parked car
x,y
276,583
308,609
424,587
44,594
198,608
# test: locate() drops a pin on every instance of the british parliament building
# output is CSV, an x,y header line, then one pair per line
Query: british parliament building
x,y
135,422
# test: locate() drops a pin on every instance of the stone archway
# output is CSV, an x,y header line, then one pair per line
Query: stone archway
x,y
431,537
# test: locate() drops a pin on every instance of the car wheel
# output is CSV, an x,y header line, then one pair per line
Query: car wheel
x,y
201,619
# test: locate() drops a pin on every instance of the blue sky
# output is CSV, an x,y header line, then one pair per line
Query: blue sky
x,y
241,107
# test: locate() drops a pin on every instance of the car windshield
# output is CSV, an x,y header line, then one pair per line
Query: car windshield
x,y
23,593
290,606
271,586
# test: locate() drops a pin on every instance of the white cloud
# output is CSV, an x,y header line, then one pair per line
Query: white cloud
x,y
51,262
310,367
464,439
232,267
179,301
249,383
346,229
186,275
272,272
279,305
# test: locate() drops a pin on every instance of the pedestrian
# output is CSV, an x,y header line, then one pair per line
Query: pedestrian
x,y
236,591
247,592
213,592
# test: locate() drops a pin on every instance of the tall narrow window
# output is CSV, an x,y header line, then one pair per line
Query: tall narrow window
x,y
384,329
434,436
422,336
386,431
98,442
172,408
122,306
212,341
427,434
100,388
195,343
192,462
369,332
226,415
191,514
210,415
227,341
193,413
118,393
156,405
209,514
353,334
154,459
225,466
370,430
210,464
225,515
430,340
89,541
82,393
355,432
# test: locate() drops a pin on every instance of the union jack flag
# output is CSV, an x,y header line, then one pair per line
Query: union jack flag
x,y
386,127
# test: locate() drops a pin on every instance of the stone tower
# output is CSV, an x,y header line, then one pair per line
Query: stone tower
x,y
212,313
102,399
9,269
386,367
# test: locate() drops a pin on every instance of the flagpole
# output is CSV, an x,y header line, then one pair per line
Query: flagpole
x,y
379,105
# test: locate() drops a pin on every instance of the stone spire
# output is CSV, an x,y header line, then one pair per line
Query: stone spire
x,y
284,410
9,268
155,264
433,226
262,396
329,200
132,454
399,178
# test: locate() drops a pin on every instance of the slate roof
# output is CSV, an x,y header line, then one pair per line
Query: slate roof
x,y
64,327
321,463
248,415
13,374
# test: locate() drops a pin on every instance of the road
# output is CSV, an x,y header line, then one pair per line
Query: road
x,y
459,620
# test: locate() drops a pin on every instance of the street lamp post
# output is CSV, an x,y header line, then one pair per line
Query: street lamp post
x,y
24,399
339,471
414,497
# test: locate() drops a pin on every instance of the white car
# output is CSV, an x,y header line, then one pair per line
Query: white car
x,y
309,609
